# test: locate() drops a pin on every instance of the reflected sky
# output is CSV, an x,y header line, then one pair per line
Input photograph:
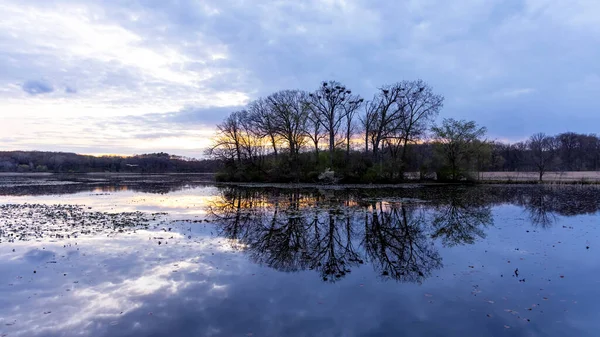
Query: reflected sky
x,y
269,262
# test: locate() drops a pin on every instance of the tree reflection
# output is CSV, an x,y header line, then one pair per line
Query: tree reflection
x,y
539,206
396,244
296,231
280,240
238,212
333,232
462,219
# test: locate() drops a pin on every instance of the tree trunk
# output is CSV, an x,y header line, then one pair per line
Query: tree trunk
x,y
376,149
274,145
404,151
403,158
331,147
347,145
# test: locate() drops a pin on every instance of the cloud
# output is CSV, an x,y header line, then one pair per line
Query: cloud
x,y
70,90
156,135
36,87
117,135
188,62
188,116
514,92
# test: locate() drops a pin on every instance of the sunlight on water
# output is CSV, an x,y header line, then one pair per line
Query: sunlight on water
x,y
188,202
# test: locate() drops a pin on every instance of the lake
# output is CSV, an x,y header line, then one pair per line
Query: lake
x,y
178,255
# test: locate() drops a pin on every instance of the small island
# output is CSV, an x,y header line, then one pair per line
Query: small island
x,y
332,135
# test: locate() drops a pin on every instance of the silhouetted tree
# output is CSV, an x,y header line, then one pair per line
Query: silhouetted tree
x,y
328,104
314,131
542,149
262,120
351,106
421,107
394,125
289,110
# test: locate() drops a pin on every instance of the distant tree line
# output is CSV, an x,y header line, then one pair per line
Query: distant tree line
x,y
64,162
542,153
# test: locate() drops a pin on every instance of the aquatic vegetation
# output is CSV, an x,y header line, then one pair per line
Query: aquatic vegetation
x,y
65,221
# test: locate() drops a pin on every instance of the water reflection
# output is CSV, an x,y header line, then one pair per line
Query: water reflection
x,y
332,233
539,201
108,280
52,184
462,219
540,207
188,278
396,244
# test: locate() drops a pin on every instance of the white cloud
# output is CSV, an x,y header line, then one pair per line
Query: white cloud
x,y
111,65
514,92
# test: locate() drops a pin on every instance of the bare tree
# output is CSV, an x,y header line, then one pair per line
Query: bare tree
x,y
399,115
407,110
542,149
252,145
236,141
261,118
420,108
368,121
327,104
387,107
351,109
290,114
314,131
228,142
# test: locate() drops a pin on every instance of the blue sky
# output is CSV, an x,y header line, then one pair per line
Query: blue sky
x,y
139,76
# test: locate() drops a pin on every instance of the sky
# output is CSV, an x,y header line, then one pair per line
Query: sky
x,y
132,76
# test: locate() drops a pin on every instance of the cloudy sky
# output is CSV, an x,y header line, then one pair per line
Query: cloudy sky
x,y
134,76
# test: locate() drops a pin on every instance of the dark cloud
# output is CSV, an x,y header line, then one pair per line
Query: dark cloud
x,y
70,90
36,87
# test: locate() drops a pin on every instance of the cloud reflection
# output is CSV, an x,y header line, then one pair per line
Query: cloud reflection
x,y
88,284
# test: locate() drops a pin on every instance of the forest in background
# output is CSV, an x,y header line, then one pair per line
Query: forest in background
x,y
334,135
64,162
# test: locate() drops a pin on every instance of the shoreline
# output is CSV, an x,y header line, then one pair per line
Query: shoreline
x,y
493,178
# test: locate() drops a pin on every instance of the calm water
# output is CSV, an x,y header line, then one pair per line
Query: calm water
x,y
179,256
